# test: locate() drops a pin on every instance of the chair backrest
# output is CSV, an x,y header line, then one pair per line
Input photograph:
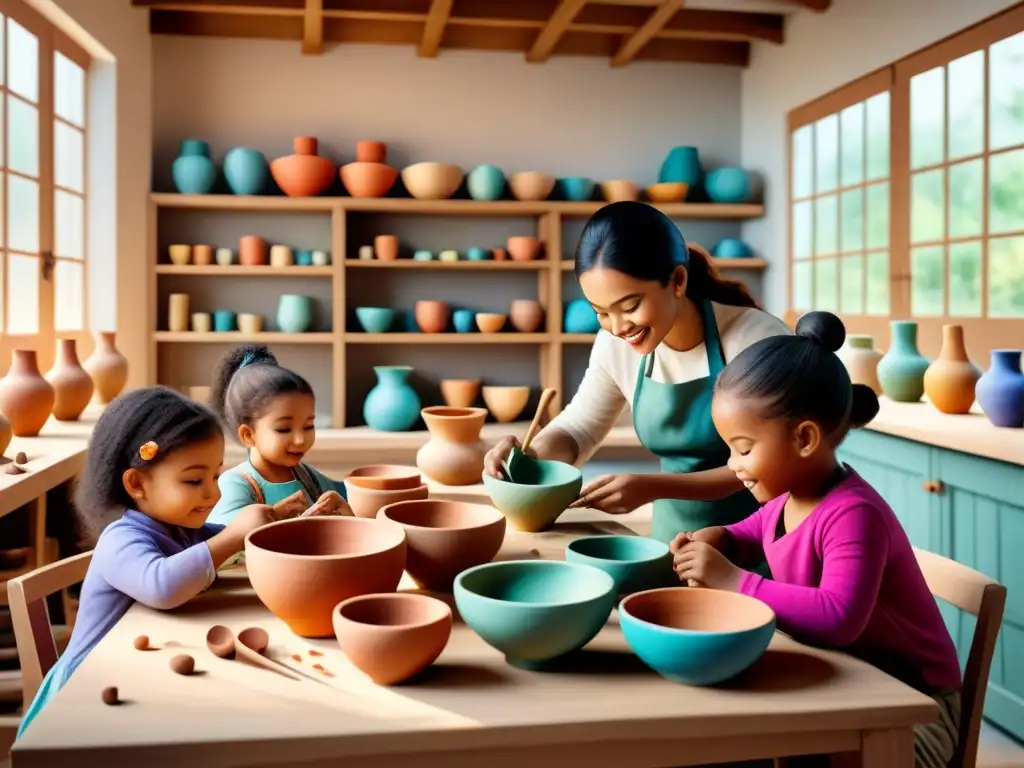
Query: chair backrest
x,y
984,598
37,650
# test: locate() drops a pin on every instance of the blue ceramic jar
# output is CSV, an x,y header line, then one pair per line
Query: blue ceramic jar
x,y
728,185
246,171
193,171
901,370
294,313
464,320
580,317
681,165
392,405
1000,391
485,182
731,248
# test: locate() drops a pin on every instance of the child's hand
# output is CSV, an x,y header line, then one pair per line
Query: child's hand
x,y
699,564
250,518
293,506
715,536
329,503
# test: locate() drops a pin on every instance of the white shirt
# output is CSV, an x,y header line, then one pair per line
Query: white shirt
x,y
610,380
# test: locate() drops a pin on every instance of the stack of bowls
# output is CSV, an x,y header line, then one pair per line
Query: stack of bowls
x,y
372,487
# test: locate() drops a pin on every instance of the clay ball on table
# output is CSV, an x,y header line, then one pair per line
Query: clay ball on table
x,y
141,643
109,695
21,458
183,664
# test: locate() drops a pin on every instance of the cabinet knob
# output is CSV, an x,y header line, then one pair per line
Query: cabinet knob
x,y
933,486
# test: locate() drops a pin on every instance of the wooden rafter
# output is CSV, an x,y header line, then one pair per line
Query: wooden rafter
x,y
313,27
658,19
433,30
812,5
552,32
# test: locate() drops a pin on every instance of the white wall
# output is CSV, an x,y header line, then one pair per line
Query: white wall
x,y
823,52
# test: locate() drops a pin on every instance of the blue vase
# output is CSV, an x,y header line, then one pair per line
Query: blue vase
x,y
485,182
392,405
476,253
225,321
901,370
681,165
194,172
1000,391
464,320
294,313
578,189
728,185
580,317
246,171
731,248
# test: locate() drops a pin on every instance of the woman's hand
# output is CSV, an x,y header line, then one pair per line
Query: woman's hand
x,y
329,503
614,494
498,454
699,564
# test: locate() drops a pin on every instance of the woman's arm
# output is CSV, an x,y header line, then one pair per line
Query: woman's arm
x,y
705,485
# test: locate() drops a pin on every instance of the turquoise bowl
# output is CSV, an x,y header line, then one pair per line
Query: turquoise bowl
x,y
731,248
577,188
534,611
542,491
464,320
375,319
476,253
728,185
696,636
635,563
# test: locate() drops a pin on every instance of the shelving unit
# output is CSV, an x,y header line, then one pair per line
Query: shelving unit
x,y
549,270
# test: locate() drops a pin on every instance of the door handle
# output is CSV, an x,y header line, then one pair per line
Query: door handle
x,y
933,486
47,266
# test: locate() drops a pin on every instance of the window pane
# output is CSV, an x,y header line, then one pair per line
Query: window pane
x,y
851,137
69,290
966,105
877,288
68,89
1006,277
803,229
826,225
878,215
803,162
802,298
852,209
23,137
966,192
826,153
68,157
965,279
851,284
22,61
878,136
22,214
22,294
927,117
926,281
1006,92
68,225
826,285
1006,192
927,207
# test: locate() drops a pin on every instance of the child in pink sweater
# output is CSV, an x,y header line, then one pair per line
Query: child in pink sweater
x,y
845,575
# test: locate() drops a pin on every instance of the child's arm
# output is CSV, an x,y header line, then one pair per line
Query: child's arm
x,y
744,541
235,493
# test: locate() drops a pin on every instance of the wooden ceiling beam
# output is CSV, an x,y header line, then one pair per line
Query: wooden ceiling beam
x,y
552,32
313,27
819,6
631,45
433,30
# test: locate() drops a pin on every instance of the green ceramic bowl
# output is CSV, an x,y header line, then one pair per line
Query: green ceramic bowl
x,y
542,492
635,562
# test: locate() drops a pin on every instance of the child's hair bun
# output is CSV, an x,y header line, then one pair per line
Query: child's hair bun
x,y
823,328
864,406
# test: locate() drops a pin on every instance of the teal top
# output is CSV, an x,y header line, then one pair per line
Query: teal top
x,y
237,493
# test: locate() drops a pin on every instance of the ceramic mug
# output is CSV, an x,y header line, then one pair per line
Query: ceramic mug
x,y
180,254
366,253
385,247
177,312
280,256
321,258
225,257
250,324
448,255
202,322
202,255
224,321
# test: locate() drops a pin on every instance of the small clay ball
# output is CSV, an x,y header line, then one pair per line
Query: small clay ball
x,y
21,458
141,643
14,469
109,695
183,664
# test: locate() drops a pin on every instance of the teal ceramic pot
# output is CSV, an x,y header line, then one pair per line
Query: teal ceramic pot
x,y
731,248
728,185
901,370
578,189
225,321
696,636
681,165
392,405
375,319
635,563
534,611
246,171
304,257
423,256
409,322
580,317
1000,391
486,182
464,320
542,491
294,313
476,253
193,171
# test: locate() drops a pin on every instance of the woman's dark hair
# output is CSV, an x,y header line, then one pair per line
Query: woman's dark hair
x,y
153,414
247,379
640,241
800,378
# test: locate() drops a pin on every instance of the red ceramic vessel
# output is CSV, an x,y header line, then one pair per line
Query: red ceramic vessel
x,y
371,152
303,174
252,251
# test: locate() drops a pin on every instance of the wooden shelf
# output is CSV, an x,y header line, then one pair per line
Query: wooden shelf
x,y
238,270
578,338
236,337
497,266
447,338
722,264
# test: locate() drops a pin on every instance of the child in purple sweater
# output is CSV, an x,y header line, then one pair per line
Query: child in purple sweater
x,y
845,575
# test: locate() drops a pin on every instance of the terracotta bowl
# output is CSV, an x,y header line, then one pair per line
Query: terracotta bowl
x,y
432,316
445,538
460,393
696,636
366,502
542,491
490,322
523,247
506,403
531,185
303,567
368,179
432,181
668,192
617,190
385,477
392,637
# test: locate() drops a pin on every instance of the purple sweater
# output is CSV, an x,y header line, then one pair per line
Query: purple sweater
x,y
847,578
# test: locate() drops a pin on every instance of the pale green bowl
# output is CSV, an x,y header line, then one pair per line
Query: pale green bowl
x,y
542,493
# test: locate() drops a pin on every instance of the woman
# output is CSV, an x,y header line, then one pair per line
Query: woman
x,y
669,324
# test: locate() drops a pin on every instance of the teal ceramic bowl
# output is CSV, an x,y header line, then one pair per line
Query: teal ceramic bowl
x,y
375,319
577,188
542,492
635,563
534,611
696,636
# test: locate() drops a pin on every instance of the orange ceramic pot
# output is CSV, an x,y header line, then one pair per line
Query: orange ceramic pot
x,y
432,316
526,315
460,393
454,454
385,477
368,179
202,255
107,367
499,254
432,181
506,403
367,502
371,151
303,567
619,190
303,174
26,398
490,322
950,381
385,247
72,386
252,251
531,185
523,247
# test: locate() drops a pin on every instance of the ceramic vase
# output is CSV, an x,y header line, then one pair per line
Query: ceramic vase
x,y
386,247
202,255
294,313
246,171
580,317
26,398
225,321
368,176
861,360
681,166
252,251
901,369
303,174
728,185
1001,390
432,316
193,171
526,315
949,382
454,454
392,405
177,312
485,182
464,320
107,367
71,384
5,434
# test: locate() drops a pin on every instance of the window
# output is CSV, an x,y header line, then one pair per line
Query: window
x,y
43,184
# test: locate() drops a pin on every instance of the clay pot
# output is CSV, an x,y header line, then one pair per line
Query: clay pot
x,y
386,247
302,568
668,192
180,255
71,384
371,152
368,179
523,247
526,315
490,322
432,181
531,185
499,254
505,403
460,393
303,174
861,360
281,256
26,398
432,316
202,255
385,477
252,251
392,637
949,382
444,538
107,367
618,190
177,312
5,434
454,455
367,502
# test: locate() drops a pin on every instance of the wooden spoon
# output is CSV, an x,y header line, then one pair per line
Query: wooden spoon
x,y
248,646
517,454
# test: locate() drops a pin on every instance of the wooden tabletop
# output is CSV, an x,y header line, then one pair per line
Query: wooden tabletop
x,y
604,707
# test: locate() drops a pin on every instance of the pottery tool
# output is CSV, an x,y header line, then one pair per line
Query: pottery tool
x,y
248,646
517,455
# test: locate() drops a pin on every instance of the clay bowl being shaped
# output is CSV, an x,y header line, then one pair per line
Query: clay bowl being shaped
x,y
668,192
490,322
542,491
386,477
444,538
531,185
367,502
696,636
375,319
506,403
460,393
523,247
432,316
301,568
534,611
618,190
368,179
635,562
432,181
392,637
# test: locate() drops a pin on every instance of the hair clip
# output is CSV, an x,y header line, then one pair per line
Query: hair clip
x,y
148,450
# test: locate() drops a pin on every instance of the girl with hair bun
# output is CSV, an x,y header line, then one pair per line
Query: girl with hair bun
x,y
845,574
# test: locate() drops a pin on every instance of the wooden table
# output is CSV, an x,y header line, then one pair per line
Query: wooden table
x,y
604,708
